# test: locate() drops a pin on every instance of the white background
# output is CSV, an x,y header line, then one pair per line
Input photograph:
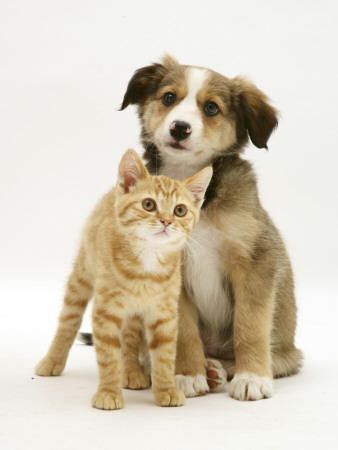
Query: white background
x,y
64,69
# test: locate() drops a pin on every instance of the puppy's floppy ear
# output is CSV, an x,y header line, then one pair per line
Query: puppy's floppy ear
x,y
143,82
146,80
258,117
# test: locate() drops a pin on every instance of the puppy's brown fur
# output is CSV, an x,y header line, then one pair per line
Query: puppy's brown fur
x,y
255,340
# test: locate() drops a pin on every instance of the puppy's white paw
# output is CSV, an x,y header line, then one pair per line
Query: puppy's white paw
x,y
248,386
192,386
216,375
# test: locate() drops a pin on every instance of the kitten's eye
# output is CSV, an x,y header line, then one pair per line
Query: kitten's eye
x,y
149,204
211,109
180,210
169,98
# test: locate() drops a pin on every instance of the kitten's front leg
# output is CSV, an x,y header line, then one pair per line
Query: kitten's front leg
x,y
161,336
134,375
107,330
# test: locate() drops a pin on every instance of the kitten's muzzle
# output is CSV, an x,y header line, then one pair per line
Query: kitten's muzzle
x,y
165,222
180,130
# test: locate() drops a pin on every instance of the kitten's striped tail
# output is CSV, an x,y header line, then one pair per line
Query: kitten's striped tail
x,y
85,338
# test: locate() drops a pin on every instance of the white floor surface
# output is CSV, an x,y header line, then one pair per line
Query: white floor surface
x,y
55,413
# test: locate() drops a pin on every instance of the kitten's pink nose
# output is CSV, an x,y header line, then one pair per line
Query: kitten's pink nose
x,y
165,222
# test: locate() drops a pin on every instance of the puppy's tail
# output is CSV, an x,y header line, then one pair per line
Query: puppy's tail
x,y
85,338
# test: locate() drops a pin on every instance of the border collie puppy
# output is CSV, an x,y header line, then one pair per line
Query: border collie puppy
x,y
237,305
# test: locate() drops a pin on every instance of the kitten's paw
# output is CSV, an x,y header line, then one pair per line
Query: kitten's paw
x,y
171,397
136,380
108,400
216,375
192,386
248,386
49,367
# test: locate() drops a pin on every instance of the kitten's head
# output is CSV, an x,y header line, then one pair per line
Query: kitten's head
x,y
157,210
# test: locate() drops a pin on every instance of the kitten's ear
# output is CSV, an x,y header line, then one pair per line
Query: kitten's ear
x,y
131,170
198,183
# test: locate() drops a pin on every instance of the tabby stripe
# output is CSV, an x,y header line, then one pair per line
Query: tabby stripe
x,y
82,303
66,317
128,206
102,350
103,291
164,377
67,331
133,219
118,304
83,283
160,322
194,215
130,346
173,192
103,364
163,191
165,361
73,289
158,341
132,336
108,340
101,313
136,319
107,387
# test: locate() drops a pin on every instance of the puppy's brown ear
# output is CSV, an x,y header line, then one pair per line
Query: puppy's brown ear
x,y
258,117
143,82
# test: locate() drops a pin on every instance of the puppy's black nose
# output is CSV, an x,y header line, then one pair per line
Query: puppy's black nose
x,y
180,130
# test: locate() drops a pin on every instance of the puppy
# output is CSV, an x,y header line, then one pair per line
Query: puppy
x,y
237,304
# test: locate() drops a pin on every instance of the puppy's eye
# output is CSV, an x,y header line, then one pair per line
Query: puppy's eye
x,y
169,98
180,210
149,204
211,109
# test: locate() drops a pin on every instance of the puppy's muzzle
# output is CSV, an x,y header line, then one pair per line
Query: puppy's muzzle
x,y
180,130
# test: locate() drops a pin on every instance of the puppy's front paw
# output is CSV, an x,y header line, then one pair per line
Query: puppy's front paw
x,y
171,397
192,386
107,400
248,386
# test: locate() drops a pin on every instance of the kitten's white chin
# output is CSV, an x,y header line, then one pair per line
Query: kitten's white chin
x,y
163,233
162,238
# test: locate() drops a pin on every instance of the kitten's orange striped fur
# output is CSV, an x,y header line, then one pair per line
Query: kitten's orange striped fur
x,y
130,260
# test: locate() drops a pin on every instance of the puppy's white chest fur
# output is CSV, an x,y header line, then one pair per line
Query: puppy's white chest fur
x,y
203,276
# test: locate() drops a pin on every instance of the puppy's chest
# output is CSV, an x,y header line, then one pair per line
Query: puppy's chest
x,y
204,276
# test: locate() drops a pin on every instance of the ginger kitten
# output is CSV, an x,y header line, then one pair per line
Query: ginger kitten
x,y
130,261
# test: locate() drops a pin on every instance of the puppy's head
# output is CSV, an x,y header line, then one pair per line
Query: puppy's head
x,y
194,114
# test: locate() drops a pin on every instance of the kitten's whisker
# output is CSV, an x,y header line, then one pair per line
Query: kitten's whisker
x,y
189,238
187,245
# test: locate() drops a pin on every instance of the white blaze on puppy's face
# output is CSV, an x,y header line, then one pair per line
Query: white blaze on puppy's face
x,y
186,110
205,135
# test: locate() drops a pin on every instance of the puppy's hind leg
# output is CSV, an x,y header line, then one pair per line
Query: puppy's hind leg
x,y
216,374
286,363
